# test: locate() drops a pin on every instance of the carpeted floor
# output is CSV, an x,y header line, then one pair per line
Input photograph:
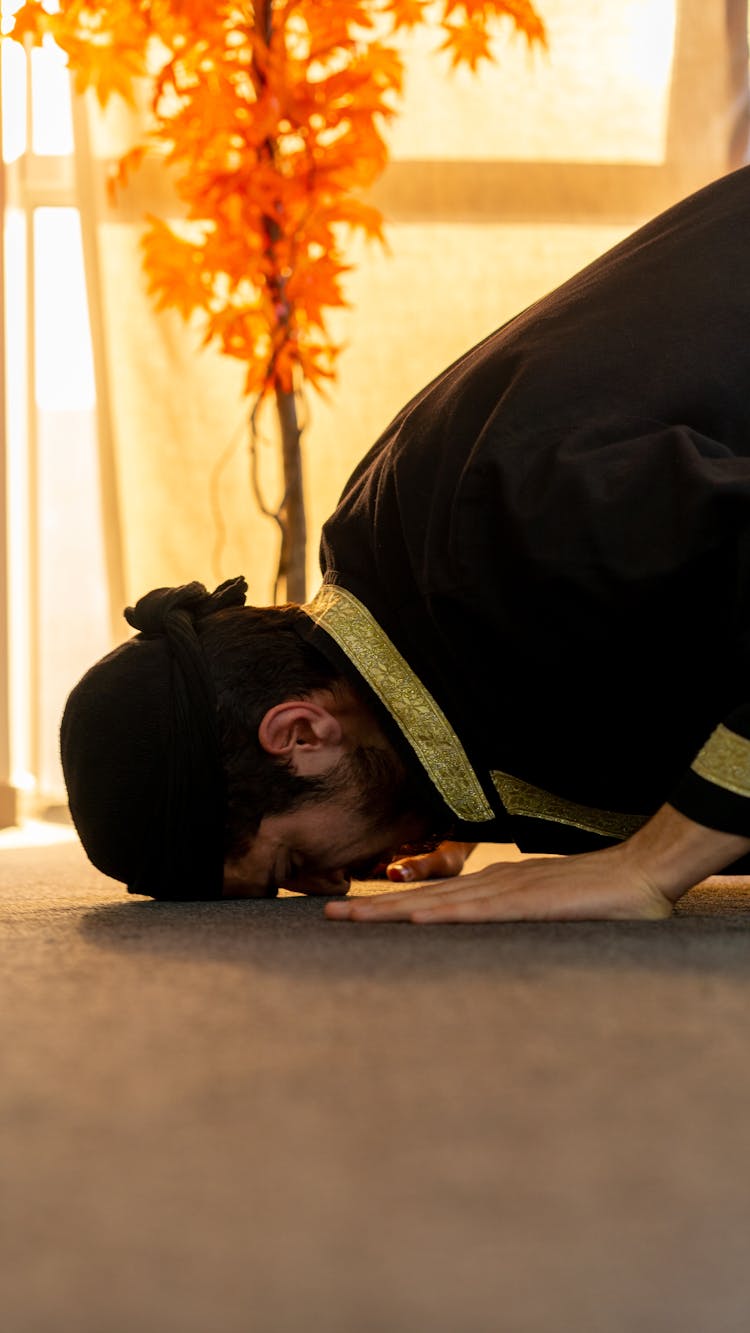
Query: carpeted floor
x,y
240,1118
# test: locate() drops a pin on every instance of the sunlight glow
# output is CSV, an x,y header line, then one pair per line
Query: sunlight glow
x,y
556,106
51,115
16,331
64,363
35,833
51,450
14,100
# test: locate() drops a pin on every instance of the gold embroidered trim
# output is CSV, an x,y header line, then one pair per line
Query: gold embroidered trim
x,y
420,718
521,798
725,761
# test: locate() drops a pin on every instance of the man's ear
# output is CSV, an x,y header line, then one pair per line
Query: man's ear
x,y
303,732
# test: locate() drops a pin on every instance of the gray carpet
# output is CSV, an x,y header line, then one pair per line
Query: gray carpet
x,y
240,1118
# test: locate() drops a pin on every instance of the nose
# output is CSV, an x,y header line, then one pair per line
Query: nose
x,y
325,883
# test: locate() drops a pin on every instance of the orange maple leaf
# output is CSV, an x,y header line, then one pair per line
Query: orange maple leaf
x,y
176,277
31,22
405,13
482,12
467,43
98,65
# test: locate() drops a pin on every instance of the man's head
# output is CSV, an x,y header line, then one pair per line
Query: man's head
x,y
315,794
217,736
363,809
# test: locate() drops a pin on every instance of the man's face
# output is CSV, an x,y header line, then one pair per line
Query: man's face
x,y
318,848
362,820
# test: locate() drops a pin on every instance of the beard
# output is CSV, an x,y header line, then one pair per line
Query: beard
x,y
373,784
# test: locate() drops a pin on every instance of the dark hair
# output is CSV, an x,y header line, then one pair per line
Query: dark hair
x,y
257,659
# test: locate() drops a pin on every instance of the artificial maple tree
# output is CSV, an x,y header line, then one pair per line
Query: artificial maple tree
x,y
271,115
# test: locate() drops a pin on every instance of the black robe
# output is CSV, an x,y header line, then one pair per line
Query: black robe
x,y
551,541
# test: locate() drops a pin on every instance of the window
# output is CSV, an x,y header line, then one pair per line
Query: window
x,y
56,596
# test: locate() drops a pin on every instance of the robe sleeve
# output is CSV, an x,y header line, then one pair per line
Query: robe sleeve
x,y
716,789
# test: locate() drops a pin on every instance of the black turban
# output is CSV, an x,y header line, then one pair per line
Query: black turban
x,y
141,755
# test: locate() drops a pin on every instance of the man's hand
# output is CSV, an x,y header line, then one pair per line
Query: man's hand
x,y
639,879
556,888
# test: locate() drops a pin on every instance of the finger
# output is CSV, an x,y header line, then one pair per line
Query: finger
x,y
379,903
400,906
390,906
445,860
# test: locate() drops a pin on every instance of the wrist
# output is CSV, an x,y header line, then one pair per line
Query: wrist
x,y
672,853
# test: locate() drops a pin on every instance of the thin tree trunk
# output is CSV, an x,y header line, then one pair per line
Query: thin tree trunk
x,y
290,576
292,558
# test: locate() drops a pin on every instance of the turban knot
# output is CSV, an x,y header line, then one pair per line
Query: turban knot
x,y
173,611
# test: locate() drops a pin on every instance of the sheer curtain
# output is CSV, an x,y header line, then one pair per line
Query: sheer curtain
x,y
55,595
499,188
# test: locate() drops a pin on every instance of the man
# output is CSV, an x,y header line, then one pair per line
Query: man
x,y
533,627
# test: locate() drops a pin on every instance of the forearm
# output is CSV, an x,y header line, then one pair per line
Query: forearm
x,y
673,853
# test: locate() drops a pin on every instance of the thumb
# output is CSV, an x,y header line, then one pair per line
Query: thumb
x,y
445,861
